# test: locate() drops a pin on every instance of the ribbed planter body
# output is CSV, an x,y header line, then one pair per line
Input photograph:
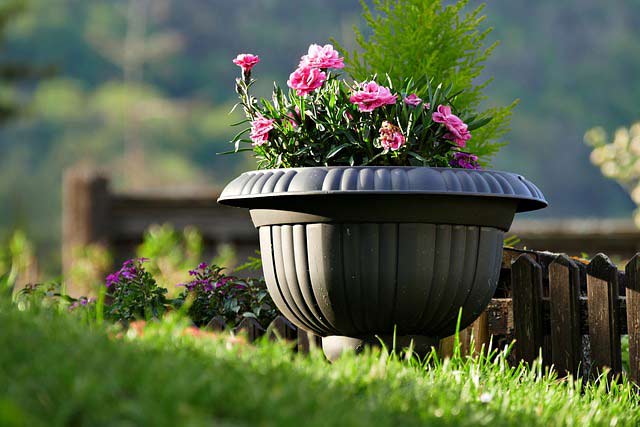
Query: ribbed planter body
x,y
372,251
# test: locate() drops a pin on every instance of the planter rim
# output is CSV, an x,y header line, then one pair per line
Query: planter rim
x,y
253,189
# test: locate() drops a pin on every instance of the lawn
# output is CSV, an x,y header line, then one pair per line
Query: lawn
x,y
58,370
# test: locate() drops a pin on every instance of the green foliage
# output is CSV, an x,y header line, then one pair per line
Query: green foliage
x,y
253,263
87,268
16,258
170,252
423,37
11,72
134,294
619,159
211,293
52,296
60,372
511,241
325,128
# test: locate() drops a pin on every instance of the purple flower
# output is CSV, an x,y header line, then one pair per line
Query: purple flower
x,y
223,281
112,279
128,271
412,100
465,161
202,265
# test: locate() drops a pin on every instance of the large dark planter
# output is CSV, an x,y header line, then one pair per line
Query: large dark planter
x,y
357,254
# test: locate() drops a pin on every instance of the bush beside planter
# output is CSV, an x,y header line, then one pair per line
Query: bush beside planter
x,y
356,254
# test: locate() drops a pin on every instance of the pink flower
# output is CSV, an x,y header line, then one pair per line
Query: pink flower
x,y
322,57
306,79
465,161
260,129
246,61
458,131
371,96
391,137
412,100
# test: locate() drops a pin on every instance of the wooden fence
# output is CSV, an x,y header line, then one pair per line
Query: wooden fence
x,y
93,214
570,312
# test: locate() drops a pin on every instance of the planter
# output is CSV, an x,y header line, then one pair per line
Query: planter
x,y
358,254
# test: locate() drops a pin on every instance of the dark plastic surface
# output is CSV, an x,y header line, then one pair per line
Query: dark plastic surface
x,y
359,280
357,252
254,189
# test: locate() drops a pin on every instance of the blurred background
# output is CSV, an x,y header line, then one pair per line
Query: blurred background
x,y
143,89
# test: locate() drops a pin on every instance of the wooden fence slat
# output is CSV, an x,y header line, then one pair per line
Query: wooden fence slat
x,y
251,327
526,280
481,335
633,316
217,324
564,301
308,341
86,203
604,331
281,328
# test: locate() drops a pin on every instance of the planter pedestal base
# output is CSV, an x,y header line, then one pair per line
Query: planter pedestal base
x,y
333,346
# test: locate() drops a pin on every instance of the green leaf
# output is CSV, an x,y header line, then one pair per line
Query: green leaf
x,y
418,157
240,122
479,123
239,134
336,150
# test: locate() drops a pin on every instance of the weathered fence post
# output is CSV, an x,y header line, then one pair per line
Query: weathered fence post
x,y
85,212
251,327
633,316
281,328
480,331
604,330
564,306
217,324
308,341
526,280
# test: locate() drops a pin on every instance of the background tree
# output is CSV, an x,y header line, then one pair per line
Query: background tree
x,y
573,64
12,73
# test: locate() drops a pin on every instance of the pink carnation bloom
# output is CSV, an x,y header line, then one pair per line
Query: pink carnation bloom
x,y
465,161
412,100
371,96
246,61
322,57
260,129
458,131
305,80
391,137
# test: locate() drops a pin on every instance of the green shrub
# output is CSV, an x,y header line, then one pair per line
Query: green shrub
x,y
134,294
211,293
424,38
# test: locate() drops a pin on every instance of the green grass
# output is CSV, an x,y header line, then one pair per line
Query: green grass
x,y
55,370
